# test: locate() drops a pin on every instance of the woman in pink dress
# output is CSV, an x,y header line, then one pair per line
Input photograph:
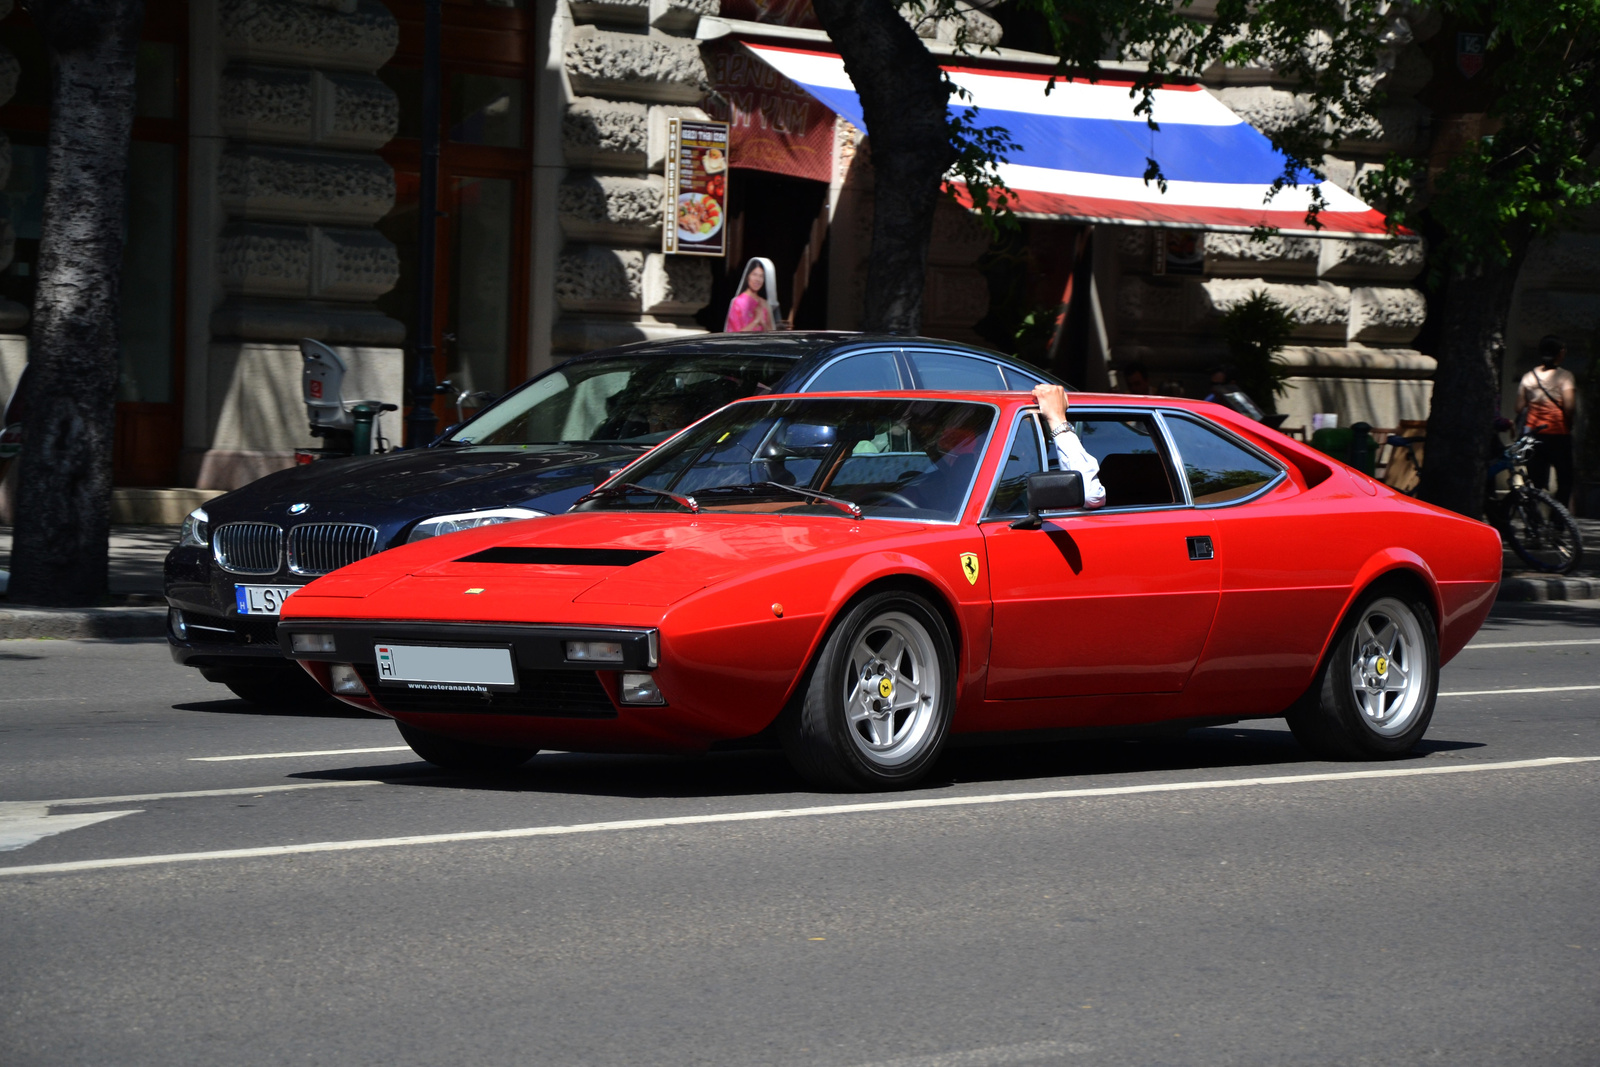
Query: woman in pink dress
x,y
755,309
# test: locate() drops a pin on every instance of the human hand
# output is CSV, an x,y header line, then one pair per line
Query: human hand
x,y
1053,402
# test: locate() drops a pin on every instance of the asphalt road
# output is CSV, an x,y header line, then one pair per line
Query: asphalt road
x,y
1219,900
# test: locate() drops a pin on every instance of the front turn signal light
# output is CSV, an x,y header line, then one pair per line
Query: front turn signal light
x,y
594,651
313,642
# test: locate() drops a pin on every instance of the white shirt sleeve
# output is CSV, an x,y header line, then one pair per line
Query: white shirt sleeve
x,y
1074,458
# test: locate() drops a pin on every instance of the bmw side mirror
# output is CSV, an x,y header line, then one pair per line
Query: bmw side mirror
x,y
1050,491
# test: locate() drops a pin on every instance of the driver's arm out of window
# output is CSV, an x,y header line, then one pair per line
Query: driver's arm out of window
x,y
1074,458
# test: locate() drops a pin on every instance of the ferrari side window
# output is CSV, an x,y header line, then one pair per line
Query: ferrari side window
x,y
868,372
1219,470
1133,464
1011,490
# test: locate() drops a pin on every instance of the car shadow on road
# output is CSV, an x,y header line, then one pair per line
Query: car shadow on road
x,y
323,709
734,774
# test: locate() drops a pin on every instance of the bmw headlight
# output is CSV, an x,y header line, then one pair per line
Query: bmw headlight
x,y
196,529
468,520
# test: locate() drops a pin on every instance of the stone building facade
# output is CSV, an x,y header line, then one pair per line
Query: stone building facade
x,y
627,67
296,134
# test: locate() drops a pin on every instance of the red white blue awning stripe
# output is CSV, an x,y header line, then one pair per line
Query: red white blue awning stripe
x,y
1082,152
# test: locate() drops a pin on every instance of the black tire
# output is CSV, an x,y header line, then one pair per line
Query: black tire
x,y
1542,532
1335,720
838,735
468,757
276,687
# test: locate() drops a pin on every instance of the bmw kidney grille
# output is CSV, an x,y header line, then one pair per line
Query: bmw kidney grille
x,y
314,547
320,547
248,547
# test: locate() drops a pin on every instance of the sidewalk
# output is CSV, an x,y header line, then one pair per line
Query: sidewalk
x,y
1520,583
136,607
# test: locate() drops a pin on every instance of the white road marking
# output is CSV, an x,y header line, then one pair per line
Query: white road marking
x,y
787,813
21,824
1534,644
1536,689
287,755
994,1056
242,791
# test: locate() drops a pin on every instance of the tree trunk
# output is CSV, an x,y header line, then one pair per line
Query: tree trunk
x,y
904,100
1466,386
59,555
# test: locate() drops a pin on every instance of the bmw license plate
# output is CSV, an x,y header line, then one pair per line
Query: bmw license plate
x,y
261,599
448,669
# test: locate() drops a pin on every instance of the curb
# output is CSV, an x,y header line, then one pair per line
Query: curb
x,y
141,621
1546,589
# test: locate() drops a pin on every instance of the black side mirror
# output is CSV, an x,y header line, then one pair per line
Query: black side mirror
x,y
1050,491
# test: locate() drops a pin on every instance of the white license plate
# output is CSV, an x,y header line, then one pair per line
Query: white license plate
x,y
261,599
473,670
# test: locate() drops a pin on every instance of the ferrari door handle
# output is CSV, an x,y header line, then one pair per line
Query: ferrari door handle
x,y
1200,548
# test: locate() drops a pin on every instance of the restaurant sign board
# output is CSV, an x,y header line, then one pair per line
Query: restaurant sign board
x,y
695,214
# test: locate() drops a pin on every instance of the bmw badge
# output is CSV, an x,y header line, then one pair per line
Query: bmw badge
x,y
299,509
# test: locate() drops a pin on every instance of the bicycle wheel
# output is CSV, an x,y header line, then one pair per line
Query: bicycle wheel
x,y
1542,532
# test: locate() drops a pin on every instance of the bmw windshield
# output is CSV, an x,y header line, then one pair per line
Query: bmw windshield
x,y
877,458
631,399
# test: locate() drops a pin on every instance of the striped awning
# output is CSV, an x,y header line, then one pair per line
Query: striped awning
x,y
1082,152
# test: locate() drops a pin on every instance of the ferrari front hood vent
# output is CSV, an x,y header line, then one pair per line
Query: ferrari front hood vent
x,y
561,557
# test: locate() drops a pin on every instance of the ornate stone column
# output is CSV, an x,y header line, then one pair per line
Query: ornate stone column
x,y
293,185
628,66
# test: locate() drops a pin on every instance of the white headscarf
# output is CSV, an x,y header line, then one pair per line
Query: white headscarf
x,y
772,283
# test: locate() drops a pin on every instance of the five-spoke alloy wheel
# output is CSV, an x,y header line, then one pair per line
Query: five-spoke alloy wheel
x,y
1374,692
877,707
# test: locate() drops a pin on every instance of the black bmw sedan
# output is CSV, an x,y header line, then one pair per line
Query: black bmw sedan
x,y
532,453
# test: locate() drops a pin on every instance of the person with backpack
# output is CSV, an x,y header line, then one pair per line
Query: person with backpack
x,y
1547,401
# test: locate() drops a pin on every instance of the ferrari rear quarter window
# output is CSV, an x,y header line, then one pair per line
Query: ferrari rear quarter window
x,y
876,458
1218,469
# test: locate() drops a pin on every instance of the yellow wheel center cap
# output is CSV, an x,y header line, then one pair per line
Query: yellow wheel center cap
x,y
1382,665
886,687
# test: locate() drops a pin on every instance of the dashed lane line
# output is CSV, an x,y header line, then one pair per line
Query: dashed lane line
x,y
242,791
1531,644
1534,689
289,755
909,804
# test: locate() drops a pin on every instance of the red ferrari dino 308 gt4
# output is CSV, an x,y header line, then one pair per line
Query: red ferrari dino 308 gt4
x,y
861,578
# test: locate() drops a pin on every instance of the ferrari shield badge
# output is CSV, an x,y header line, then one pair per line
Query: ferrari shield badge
x,y
969,567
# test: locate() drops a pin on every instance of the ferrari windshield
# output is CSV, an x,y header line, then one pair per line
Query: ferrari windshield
x,y
877,457
629,398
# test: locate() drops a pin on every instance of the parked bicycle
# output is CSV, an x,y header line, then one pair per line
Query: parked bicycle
x,y
1538,529
1533,522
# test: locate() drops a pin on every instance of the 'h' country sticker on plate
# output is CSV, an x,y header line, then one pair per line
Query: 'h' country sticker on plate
x,y
969,567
